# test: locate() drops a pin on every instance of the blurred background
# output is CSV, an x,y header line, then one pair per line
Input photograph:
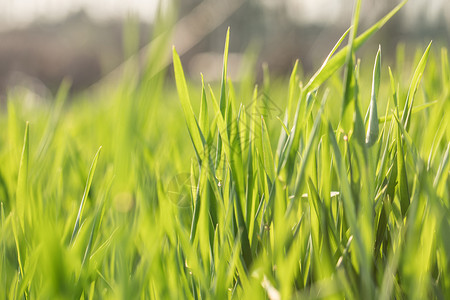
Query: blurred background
x,y
44,41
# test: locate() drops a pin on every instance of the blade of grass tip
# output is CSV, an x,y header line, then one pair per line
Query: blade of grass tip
x,y
292,87
349,77
223,95
203,116
183,94
85,194
22,178
338,60
413,86
372,128
358,123
322,74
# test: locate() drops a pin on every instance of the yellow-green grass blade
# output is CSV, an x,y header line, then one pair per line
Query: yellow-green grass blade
x,y
203,119
223,93
22,181
338,60
85,194
415,109
350,85
372,127
414,86
183,94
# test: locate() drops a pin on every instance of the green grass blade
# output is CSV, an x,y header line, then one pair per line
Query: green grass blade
x,y
85,194
402,179
223,94
442,173
372,129
416,109
203,119
293,88
413,87
326,70
350,78
267,151
338,60
22,179
183,94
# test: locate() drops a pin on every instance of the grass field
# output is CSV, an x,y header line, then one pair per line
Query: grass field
x,y
329,186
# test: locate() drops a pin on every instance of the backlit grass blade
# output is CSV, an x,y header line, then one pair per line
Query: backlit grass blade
x,y
413,87
300,180
325,70
18,247
85,194
267,151
402,180
223,94
442,173
372,128
183,94
349,205
416,109
293,88
445,69
203,119
349,78
98,219
22,179
338,60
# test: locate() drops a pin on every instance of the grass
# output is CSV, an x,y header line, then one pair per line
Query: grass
x,y
321,187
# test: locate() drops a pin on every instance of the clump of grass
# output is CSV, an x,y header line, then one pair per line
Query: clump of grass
x,y
291,194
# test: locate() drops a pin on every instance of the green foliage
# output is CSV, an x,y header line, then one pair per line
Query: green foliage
x,y
278,196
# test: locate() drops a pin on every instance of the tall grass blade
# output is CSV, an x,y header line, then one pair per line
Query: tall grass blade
x,y
372,129
339,59
85,194
418,73
183,95
22,179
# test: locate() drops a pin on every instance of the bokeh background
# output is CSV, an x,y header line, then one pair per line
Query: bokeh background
x,y
44,41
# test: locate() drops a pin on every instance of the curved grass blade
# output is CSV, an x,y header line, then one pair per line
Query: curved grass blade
x,y
22,178
293,88
350,86
442,173
415,109
85,194
223,95
413,87
338,60
267,151
372,129
183,94
203,116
